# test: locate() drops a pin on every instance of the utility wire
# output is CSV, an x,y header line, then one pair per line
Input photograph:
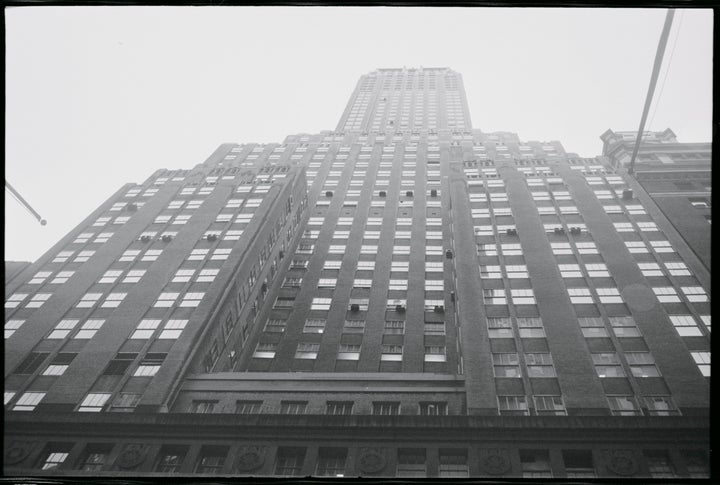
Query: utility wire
x,y
667,70
16,195
653,82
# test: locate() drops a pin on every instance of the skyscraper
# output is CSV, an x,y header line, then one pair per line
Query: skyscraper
x,y
436,301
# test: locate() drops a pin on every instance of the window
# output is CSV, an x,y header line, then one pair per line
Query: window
x,y
265,351
202,407
331,462
170,459
453,463
59,364
207,275
650,269
499,327
151,255
434,328
39,277
539,365
530,327
506,365
15,299
666,294
181,276
694,293
624,327
94,402
275,325
391,353
395,327
211,460
579,295
332,264
702,359
248,407
494,296
433,409
307,351
608,365
220,254
293,407
54,456
88,300
661,406
609,295
289,461
348,352
579,464
133,276
697,463
386,408
535,464
598,270
339,408
320,303
62,277
592,327
113,300
37,300
435,353
411,463
549,406
513,406
523,297
685,325
150,365
125,402
166,300
192,299
354,326
94,457
659,464
11,326
62,329
327,282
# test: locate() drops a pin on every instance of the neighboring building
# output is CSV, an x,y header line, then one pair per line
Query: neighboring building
x,y
445,303
677,176
14,268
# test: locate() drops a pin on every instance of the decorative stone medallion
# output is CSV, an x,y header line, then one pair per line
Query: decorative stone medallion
x,y
18,451
621,462
372,460
495,461
250,458
131,456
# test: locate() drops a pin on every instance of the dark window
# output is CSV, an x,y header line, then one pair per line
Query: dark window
x,y
331,462
433,408
411,463
125,402
170,459
697,463
659,464
339,407
211,459
453,463
535,464
386,408
293,407
202,407
289,461
94,457
31,363
119,364
248,407
578,463
54,455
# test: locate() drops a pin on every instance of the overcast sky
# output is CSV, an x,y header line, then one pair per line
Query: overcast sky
x,y
100,96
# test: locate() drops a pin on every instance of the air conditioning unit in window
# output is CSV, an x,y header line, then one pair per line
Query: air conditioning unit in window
x,y
439,309
400,308
433,193
576,231
409,193
328,193
511,232
354,307
166,238
212,237
145,238
382,193
559,230
627,194
132,207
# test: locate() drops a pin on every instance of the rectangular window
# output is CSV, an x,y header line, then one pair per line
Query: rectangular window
x,y
293,407
435,408
659,464
170,459
113,300
549,406
63,329
289,461
211,460
608,365
530,327
391,353
539,365
331,462
386,408
411,463
321,304
702,359
354,326
513,406
579,464
54,456
499,327
265,351
192,299
335,408
535,464
11,326
506,365
94,402
307,351
202,407
592,327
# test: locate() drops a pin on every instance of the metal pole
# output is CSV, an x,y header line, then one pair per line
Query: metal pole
x,y
653,80
24,202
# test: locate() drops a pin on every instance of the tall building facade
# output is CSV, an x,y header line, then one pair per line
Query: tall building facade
x,y
404,296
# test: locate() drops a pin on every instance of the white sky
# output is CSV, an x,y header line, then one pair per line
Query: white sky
x,y
100,96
